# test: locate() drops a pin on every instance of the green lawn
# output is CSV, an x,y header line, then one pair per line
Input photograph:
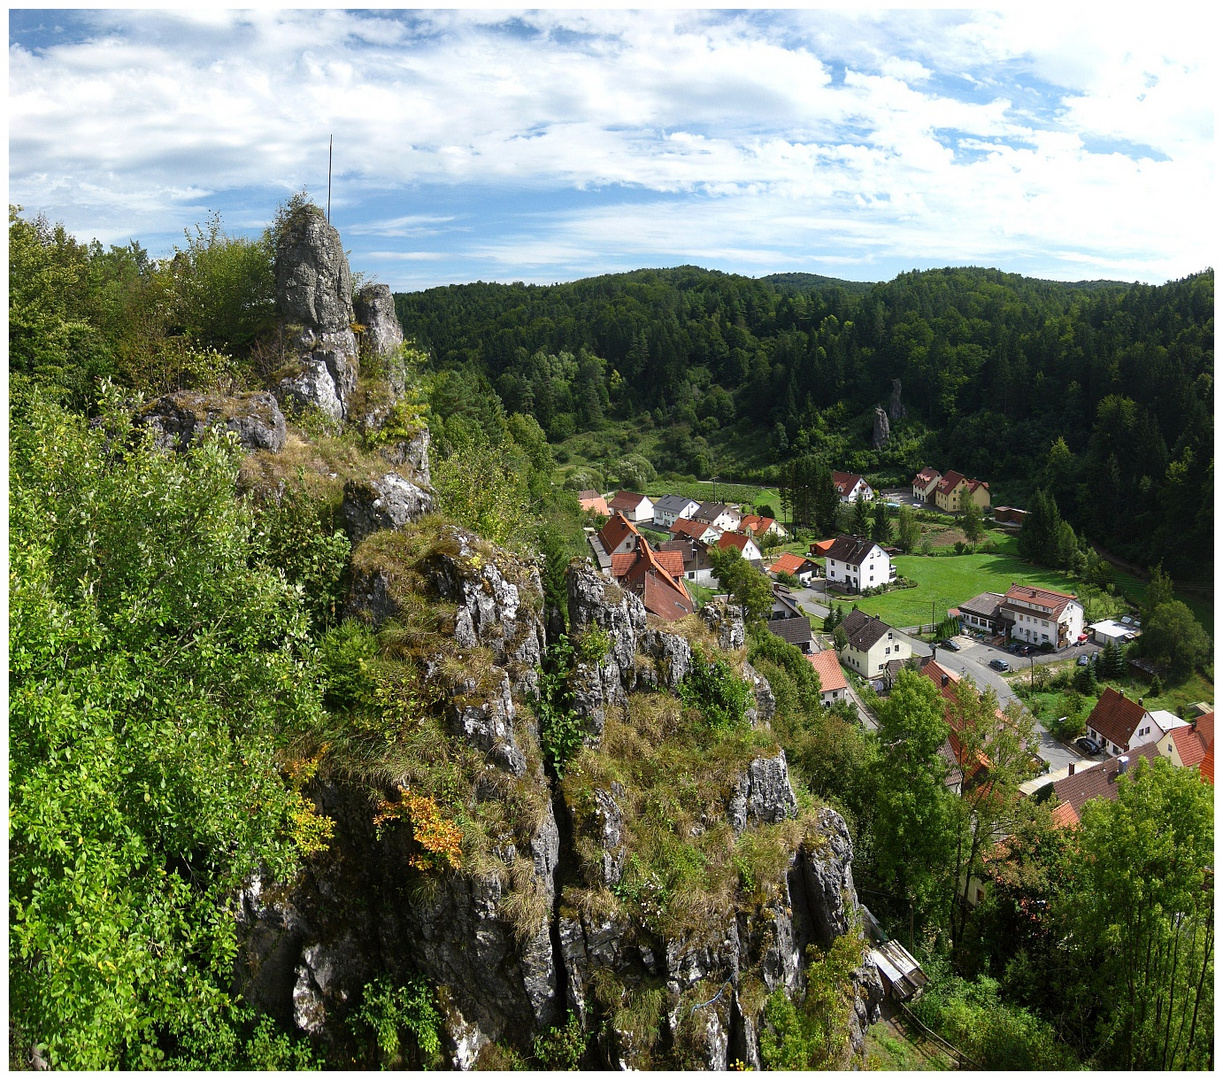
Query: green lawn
x,y
947,580
1047,705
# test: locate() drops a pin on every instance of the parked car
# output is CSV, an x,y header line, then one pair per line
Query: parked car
x,y
1083,661
1088,746
1000,665
949,644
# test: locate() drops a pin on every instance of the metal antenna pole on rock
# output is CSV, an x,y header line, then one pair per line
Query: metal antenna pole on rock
x,y
330,142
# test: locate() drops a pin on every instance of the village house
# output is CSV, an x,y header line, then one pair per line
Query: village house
x,y
818,549
637,508
1041,616
593,503
695,530
803,569
1187,746
760,527
653,577
698,566
924,483
742,543
954,491
787,620
833,687
1120,725
618,535
1075,791
857,564
870,644
1118,631
851,487
670,508
983,613
962,766
719,515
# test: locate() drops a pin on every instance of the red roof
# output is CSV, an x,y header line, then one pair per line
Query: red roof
x,y
845,482
1116,717
828,667
687,527
649,577
1045,599
672,562
787,564
613,534
1205,727
736,540
946,679
756,525
923,478
820,547
1098,782
626,500
1189,746
950,482
595,503
1208,767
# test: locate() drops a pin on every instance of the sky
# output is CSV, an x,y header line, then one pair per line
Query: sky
x,y
548,145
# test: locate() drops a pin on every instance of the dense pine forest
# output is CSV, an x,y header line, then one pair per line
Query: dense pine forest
x,y
298,783
1098,392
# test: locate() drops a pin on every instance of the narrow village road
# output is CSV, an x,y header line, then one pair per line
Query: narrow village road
x,y
972,660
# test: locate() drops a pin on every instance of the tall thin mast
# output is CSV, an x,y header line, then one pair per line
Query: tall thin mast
x,y
330,141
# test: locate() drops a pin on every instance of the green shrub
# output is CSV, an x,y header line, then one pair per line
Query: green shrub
x,y
560,731
403,1022
560,1049
713,689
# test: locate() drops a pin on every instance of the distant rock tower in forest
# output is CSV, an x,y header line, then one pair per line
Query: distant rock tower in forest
x,y
314,304
896,408
882,429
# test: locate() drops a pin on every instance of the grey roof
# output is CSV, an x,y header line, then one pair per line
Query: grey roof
x,y
986,605
850,549
709,511
863,630
676,503
792,630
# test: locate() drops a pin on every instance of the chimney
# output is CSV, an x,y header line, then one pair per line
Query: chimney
x,y
1071,769
946,679
1140,701
1123,765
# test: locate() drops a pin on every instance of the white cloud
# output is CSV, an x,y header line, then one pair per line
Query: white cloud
x,y
953,132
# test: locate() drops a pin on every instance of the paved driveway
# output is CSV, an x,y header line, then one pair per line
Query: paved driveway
x,y
972,660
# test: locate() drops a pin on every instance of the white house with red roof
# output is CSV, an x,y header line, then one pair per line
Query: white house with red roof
x,y
636,508
685,528
1041,616
760,527
742,543
924,483
833,686
787,563
851,487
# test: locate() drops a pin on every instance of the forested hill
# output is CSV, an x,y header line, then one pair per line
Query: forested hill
x,y
1101,392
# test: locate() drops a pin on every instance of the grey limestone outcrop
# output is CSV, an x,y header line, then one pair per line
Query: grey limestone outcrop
x,y
181,418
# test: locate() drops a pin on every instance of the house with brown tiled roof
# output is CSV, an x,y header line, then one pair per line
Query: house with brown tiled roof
x,y
1120,725
1186,746
924,483
742,543
787,563
870,644
695,530
661,591
833,686
850,487
856,564
698,566
1208,767
1042,616
636,508
954,491
760,527
1098,782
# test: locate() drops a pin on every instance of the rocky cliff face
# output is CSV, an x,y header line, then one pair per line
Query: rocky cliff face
x,y
314,302
558,914
375,310
179,419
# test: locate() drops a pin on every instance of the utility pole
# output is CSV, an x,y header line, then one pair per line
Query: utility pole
x,y
330,143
